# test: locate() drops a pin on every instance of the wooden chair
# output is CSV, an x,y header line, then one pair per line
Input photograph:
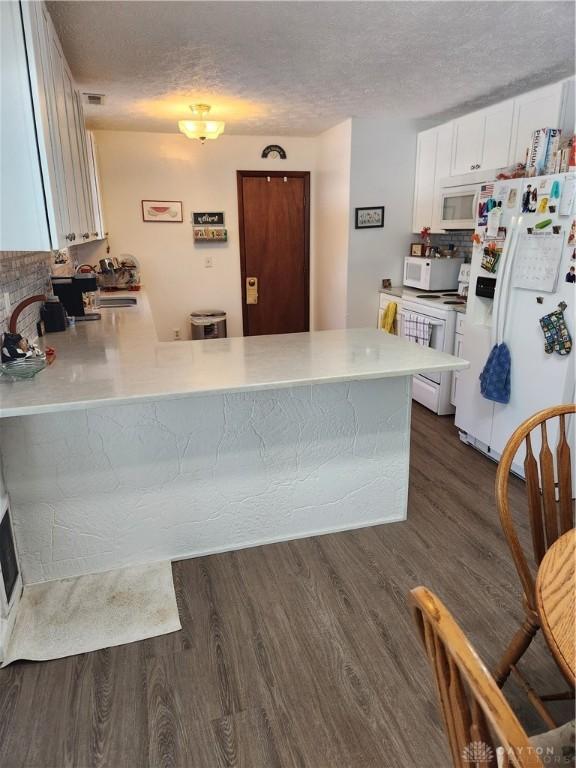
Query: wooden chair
x,y
473,707
551,513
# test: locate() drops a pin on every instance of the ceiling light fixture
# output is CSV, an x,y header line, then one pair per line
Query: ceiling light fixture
x,y
201,128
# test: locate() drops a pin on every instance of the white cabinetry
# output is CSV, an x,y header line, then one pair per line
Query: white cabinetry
x,y
482,139
538,109
443,159
23,223
468,143
497,133
94,176
49,103
85,191
433,156
425,176
458,346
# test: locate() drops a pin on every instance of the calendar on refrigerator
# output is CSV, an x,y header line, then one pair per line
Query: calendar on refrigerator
x,y
537,261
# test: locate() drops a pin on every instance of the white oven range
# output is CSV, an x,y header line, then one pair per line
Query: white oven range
x,y
434,390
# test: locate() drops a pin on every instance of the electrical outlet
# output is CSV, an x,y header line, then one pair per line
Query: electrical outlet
x,y
208,261
176,334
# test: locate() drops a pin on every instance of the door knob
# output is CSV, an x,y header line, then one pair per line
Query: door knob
x,y
251,290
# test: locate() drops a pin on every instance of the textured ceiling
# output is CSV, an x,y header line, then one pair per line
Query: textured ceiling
x,y
297,68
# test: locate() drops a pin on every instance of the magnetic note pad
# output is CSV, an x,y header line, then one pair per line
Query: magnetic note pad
x,y
537,261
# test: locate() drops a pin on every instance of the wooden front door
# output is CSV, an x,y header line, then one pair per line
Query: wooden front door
x,y
274,214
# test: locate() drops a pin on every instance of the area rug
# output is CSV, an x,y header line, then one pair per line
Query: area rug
x,y
86,613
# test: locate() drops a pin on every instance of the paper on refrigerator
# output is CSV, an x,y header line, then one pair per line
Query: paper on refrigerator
x,y
537,261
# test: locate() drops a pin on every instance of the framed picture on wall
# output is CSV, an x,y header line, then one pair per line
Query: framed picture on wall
x,y
369,218
418,249
165,211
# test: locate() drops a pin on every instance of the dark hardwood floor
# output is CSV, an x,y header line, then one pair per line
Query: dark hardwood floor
x,y
294,654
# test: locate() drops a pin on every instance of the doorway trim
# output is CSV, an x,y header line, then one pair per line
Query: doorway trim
x,y
305,175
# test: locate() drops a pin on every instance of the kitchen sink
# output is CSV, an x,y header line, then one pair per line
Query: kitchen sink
x,y
117,301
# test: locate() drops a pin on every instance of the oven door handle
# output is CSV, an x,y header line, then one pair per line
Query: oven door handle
x,y
424,317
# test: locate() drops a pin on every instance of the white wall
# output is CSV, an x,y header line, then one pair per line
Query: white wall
x,y
160,166
383,164
332,210
356,163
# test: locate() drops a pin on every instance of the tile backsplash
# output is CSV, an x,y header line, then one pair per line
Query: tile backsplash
x,y
23,274
461,238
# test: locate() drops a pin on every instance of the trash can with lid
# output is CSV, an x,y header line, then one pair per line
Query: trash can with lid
x,y
208,324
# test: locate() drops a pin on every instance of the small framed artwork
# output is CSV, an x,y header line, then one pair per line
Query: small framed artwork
x,y
418,249
370,218
166,211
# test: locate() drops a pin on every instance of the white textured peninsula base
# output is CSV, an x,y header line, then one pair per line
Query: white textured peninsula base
x,y
96,489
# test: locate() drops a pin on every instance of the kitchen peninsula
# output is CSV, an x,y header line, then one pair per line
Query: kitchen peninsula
x,y
128,450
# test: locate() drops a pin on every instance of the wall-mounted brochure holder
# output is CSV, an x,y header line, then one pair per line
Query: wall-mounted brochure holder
x,y
210,235
208,227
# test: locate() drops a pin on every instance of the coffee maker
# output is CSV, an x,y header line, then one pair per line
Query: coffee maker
x,y
70,291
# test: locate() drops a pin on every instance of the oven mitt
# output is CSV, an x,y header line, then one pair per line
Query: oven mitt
x,y
556,335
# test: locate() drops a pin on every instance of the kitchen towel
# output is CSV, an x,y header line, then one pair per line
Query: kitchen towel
x,y
389,318
417,328
495,376
86,613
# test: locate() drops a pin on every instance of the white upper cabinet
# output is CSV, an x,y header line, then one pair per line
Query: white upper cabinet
x,y
497,132
433,156
425,176
537,109
482,139
97,208
468,143
88,226
23,222
480,143
443,159
48,106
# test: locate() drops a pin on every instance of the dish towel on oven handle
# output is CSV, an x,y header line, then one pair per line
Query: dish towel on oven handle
x,y
389,318
418,329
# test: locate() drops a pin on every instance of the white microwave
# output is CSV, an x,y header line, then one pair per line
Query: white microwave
x,y
459,206
431,274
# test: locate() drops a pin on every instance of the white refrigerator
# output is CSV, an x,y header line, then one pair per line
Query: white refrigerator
x,y
537,238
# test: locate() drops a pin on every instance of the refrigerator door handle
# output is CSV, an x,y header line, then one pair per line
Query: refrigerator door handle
x,y
505,296
496,311
499,312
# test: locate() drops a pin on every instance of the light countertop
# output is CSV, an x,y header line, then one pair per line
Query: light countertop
x,y
118,360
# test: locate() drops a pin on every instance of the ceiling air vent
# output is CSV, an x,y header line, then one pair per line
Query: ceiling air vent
x,y
94,99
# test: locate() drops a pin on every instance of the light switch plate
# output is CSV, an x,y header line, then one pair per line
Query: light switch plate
x,y
208,261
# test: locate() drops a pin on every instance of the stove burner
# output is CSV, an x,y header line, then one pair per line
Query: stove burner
x,y
428,296
454,302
